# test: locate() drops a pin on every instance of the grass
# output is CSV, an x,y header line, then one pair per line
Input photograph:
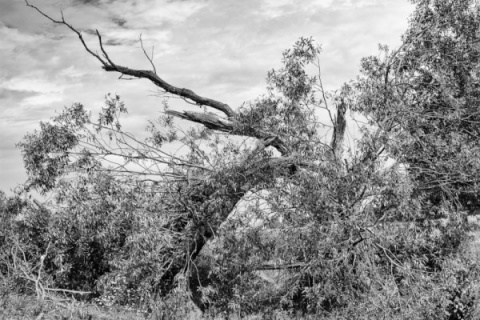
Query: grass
x,y
15,306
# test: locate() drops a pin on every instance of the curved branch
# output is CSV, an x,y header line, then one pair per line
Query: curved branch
x,y
182,92
209,120
109,65
232,126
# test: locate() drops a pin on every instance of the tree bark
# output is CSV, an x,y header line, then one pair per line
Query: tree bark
x,y
340,126
181,92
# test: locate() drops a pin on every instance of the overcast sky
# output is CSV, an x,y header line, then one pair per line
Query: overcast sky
x,y
219,48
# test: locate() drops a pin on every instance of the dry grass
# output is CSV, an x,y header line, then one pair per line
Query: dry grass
x,y
15,306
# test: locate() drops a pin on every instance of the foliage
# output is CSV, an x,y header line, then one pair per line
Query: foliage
x,y
423,97
288,111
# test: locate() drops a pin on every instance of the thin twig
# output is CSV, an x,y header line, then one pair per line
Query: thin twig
x,y
150,59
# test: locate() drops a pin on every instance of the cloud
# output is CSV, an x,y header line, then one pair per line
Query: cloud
x,y
14,95
113,42
30,82
11,38
87,2
119,22
43,99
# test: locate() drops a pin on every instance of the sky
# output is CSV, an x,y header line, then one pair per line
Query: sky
x,y
221,49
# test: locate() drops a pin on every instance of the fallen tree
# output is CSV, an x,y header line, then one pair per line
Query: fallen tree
x,y
333,210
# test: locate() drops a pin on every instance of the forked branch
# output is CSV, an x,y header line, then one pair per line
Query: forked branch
x,y
109,65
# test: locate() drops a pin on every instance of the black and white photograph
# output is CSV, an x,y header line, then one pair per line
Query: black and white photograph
x,y
255,159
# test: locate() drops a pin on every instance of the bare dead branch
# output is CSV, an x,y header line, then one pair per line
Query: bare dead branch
x,y
109,65
182,92
79,34
103,50
68,291
265,267
209,120
340,126
214,122
150,59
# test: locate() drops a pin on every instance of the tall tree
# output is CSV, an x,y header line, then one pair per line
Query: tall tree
x,y
424,99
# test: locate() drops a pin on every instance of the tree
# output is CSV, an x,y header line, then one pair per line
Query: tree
x,y
424,98
344,231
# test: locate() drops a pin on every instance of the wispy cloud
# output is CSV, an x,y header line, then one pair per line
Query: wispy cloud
x,y
121,22
87,2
